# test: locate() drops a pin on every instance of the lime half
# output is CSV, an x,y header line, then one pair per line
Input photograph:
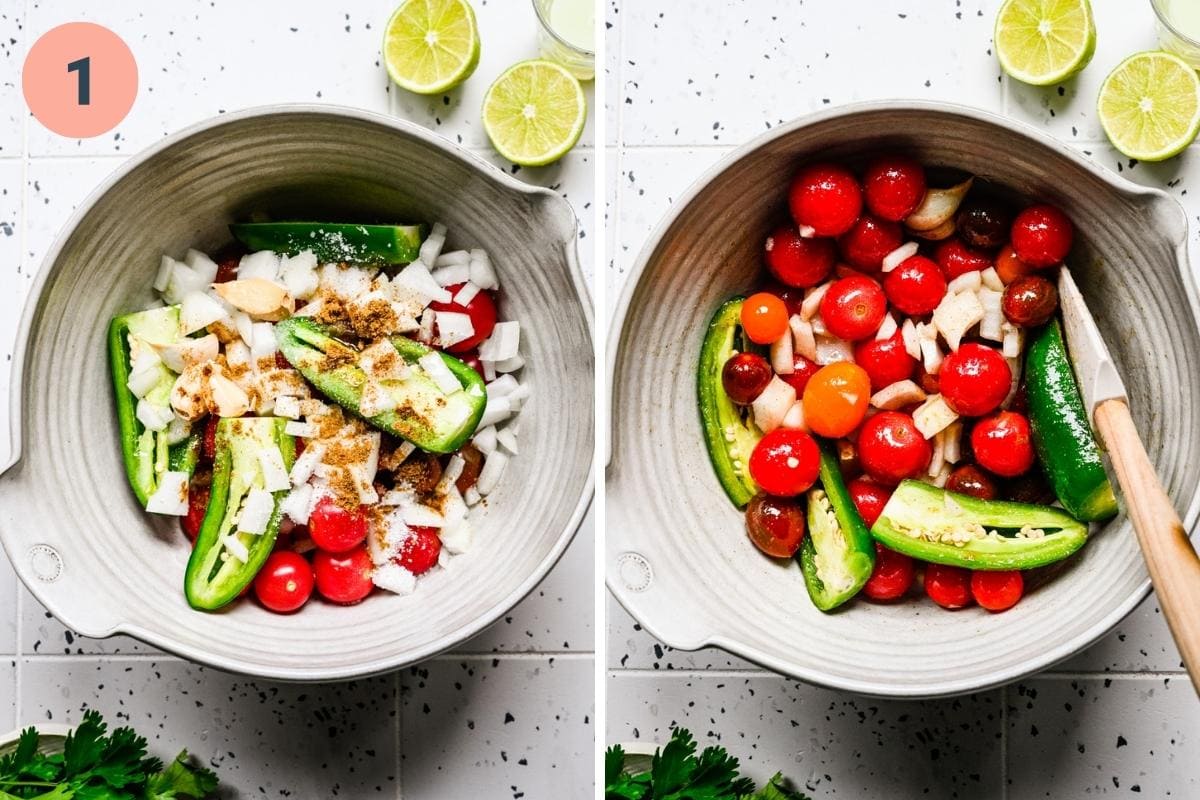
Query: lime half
x,y
1043,42
431,46
534,113
1150,106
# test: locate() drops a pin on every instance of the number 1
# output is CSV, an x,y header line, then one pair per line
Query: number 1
x,y
84,67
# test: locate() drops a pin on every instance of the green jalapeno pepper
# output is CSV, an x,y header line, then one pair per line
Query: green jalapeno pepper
x,y
838,554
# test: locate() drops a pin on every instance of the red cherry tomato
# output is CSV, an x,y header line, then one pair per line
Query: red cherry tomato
x,y
835,399
975,379
890,448
744,377
1003,444
208,444
916,286
802,371
999,590
419,552
775,525
334,529
826,198
892,576
1042,235
868,241
1009,267
481,310
949,587
853,307
285,582
796,261
894,186
970,480
227,268
764,318
869,498
785,462
343,578
885,360
471,359
197,506
956,258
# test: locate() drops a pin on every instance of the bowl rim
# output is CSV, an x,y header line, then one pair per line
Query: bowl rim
x,y
615,337
24,344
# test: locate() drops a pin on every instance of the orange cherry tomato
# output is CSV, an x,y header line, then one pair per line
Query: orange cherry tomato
x,y
835,399
764,318
1010,267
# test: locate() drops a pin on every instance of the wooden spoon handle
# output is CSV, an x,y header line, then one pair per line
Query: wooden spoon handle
x,y
1173,564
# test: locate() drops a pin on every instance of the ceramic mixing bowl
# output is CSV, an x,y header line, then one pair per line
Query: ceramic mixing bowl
x,y
677,555
68,520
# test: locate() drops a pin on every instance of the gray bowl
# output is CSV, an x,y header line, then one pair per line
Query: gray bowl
x,y
68,519
677,555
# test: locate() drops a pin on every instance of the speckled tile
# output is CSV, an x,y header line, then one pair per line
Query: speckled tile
x,y
42,634
558,614
13,45
630,646
612,69
733,69
831,744
8,697
1068,110
511,727
54,187
264,739
8,607
1103,737
612,168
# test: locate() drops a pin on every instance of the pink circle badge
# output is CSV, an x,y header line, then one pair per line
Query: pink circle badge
x,y
80,79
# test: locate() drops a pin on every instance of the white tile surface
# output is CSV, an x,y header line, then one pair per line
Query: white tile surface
x,y
199,58
514,727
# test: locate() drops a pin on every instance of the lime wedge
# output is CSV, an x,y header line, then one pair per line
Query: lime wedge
x,y
431,46
1042,42
534,113
1150,106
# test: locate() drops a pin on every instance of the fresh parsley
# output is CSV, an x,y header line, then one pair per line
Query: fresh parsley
x,y
677,773
96,765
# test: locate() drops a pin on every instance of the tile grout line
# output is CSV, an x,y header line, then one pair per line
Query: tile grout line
x,y
1004,742
18,668
699,672
399,732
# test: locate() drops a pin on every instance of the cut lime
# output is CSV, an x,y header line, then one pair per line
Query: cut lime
x,y
1150,106
1043,42
534,113
431,46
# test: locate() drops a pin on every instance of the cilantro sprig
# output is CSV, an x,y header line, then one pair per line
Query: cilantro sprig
x,y
677,773
96,765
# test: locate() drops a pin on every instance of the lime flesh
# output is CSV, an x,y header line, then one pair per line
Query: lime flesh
x,y
1150,106
431,46
534,113
1043,42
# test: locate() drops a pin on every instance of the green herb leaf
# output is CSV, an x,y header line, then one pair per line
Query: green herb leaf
x,y
614,764
181,779
777,789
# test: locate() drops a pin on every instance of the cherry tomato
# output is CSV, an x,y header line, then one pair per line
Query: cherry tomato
x,y
955,258
208,444
197,506
949,587
419,552
975,379
471,359
334,529
481,310
983,223
785,462
1009,267
227,268
1003,444
744,377
1030,301
891,448
792,297
796,261
1042,235
1032,487
285,582
970,480
916,286
894,186
835,399
764,318
892,576
885,360
928,381
775,525
869,498
472,466
343,578
802,371
999,590
826,198
868,241
853,307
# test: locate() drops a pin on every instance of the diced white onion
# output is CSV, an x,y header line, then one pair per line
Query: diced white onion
x,y
830,350
143,380
422,516
967,282
472,496
199,310
952,442
806,231
502,386
805,343
297,504
154,417
939,454
435,367
509,364
262,340
1014,338
262,264
453,327
991,279
497,410
507,439
931,356
503,343
897,395
772,404
178,430
431,248
162,278
912,343
955,315
183,281
457,538
394,578
812,300
171,496
887,328
236,547
417,278
299,275
782,357
275,474
453,257
898,256
455,273
287,407
257,509
204,267
467,293
306,464
188,351
794,418
489,476
485,439
933,416
482,273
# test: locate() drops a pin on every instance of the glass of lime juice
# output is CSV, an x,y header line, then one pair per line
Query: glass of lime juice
x,y
567,34
1179,28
